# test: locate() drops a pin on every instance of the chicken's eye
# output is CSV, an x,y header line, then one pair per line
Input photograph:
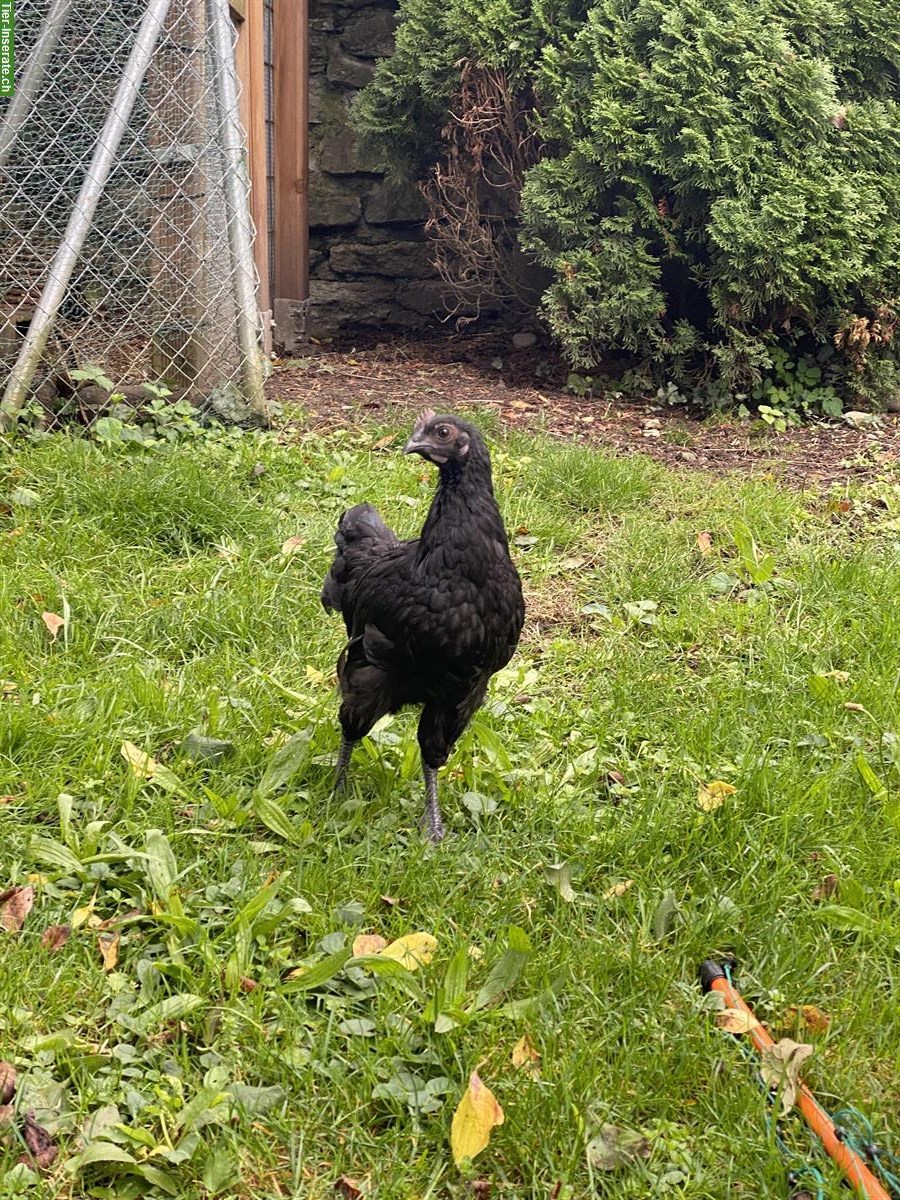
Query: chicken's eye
x,y
443,432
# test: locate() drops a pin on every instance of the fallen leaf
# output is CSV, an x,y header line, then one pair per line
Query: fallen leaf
x,y
246,984
314,675
414,950
54,624
735,1020
109,950
809,1015
15,905
80,915
350,1188
7,1112
559,875
390,901
826,889
41,1146
704,543
852,706
613,1148
8,1077
292,545
476,1115
140,761
525,1055
9,799
780,1069
55,937
711,796
368,943
618,889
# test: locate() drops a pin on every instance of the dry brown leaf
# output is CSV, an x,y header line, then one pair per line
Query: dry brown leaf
x,y
9,799
292,545
15,905
109,950
54,623
8,1077
711,796
7,1112
736,1020
346,1186
476,1115
525,1055
42,1148
368,943
826,889
618,889
390,901
851,706
704,543
809,1015
139,760
55,937
781,1066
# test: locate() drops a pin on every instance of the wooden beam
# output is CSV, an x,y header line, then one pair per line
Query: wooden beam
x,y
238,9
256,141
291,80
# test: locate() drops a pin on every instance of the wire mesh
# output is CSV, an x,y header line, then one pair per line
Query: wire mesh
x,y
152,297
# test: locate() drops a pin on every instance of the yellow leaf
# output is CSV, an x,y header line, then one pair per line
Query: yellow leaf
x,y
412,951
140,762
811,1016
368,943
475,953
704,543
711,796
292,545
109,950
476,1116
781,1066
618,889
80,915
54,624
735,1020
525,1055
314,675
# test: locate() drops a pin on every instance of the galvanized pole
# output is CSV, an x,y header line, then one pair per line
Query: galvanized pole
x,y
82,214
29,82
237,206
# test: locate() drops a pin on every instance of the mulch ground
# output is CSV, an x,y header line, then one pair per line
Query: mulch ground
x,y
340,387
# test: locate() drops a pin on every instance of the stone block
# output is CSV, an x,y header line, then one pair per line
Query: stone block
x,y
395,260
336,305
347,70
331,205
327,104
395,202
370,33
340,153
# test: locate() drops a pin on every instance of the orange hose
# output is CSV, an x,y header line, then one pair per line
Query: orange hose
x,y
817,1118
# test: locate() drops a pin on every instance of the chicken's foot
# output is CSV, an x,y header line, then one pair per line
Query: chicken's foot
x,y
432,822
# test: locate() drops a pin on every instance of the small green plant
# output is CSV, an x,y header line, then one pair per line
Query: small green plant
x,y
794,391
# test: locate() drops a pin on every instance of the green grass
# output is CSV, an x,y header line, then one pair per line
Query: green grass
x,y
185,614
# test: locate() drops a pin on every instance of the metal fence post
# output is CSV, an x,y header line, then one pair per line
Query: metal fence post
x,y
237,193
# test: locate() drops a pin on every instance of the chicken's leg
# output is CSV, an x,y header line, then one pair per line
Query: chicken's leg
x,y
343,758
432,822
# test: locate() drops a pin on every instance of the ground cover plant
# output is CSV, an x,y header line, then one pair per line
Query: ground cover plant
x,y
183,994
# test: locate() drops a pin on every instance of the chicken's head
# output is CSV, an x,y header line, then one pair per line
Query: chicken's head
x,y
443,439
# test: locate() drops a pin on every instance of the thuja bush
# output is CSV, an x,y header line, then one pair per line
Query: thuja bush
x,y
718,179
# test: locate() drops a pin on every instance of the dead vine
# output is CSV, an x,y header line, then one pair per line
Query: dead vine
x,y
474,195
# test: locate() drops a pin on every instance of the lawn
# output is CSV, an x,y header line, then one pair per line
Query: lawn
x,y
203,1032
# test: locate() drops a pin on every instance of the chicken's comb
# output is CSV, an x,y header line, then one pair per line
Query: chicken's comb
x,y
426,415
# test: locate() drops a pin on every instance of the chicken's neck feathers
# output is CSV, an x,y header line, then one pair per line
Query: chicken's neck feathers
x,y
463,503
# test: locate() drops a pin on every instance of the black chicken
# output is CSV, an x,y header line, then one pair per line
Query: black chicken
x,y
428,621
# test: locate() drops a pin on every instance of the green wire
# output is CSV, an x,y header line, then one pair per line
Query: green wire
x,y
855,1131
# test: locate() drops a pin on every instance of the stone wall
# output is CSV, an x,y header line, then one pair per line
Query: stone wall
x,y
369,259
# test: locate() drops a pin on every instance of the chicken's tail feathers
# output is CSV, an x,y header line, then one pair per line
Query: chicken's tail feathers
x,y
359,529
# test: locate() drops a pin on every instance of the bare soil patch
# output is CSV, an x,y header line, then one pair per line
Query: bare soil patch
x,y
337,387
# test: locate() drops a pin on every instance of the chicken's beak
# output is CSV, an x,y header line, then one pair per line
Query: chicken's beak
x,y
413,446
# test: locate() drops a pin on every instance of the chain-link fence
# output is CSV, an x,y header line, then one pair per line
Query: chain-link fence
x,y
125,236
